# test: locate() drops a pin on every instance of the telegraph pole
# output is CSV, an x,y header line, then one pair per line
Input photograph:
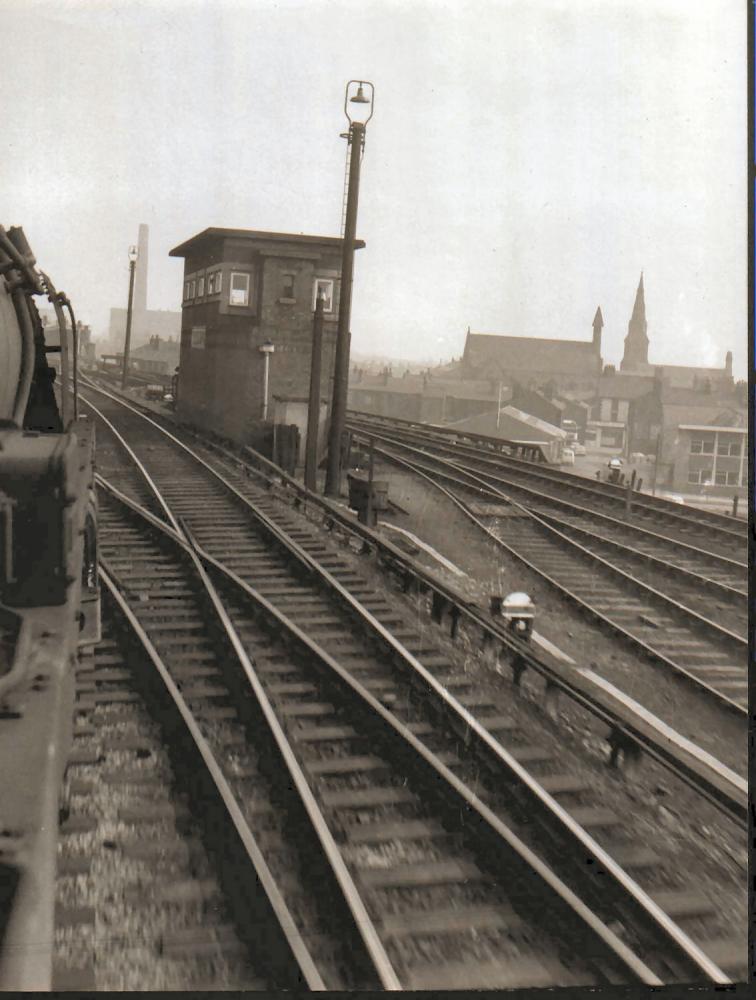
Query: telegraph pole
x,y
133,254
356,142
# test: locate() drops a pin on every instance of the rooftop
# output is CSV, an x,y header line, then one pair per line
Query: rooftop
x,y
511,354
257,235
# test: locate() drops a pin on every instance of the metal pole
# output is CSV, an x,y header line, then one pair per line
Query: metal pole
x,y
127,345
369,511
341,363
313,412
266,355
656,461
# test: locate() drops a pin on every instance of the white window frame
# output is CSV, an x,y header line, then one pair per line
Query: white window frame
x,y
191,289
186,290
232,290
201,287
328,303
218,282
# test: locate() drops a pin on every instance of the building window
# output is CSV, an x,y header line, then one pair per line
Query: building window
x,y
200,287
218,282
186,290
324,287
615,410
198,338
702,446
700,476
191,289
287,286
731,448
239,294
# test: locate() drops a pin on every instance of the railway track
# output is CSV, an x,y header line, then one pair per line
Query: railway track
x,y
723,536
162,883
622,587
240,550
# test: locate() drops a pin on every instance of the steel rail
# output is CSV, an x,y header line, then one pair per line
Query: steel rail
x,y
179,534
632,724
607,490
486,489
689,575
654,653
469,799
299,952
651,910
733,565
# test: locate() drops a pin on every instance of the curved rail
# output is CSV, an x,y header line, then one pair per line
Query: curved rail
x,y
629,724
687,517
292,945
652,911
483,489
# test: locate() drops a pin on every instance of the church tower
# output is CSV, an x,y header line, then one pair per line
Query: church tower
x,y
635,357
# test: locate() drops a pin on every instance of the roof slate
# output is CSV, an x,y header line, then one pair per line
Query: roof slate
x,y
513,354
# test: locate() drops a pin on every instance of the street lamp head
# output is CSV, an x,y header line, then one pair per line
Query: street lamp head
x,y
133,254
266,348
358,106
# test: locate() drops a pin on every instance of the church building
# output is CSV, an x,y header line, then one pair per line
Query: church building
x,y
635,359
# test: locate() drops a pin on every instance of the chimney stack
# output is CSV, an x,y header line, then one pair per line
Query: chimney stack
x,y
728,363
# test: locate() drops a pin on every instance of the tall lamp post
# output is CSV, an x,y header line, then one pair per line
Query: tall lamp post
x,y
359,110
133,254
266,350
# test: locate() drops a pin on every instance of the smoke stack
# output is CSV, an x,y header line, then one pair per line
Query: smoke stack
x,y
728,362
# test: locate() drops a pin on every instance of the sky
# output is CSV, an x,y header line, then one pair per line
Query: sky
x,y
527,159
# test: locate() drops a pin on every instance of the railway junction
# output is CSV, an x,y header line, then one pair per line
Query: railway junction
x,y
310,752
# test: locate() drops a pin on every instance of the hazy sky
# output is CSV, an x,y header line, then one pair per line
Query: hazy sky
x,y
526,160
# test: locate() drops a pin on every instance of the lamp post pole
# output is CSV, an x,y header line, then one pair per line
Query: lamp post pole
x,y
356,141
266,350
313,411
133,254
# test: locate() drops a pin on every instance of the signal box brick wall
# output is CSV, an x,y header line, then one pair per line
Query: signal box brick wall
x,y
241,289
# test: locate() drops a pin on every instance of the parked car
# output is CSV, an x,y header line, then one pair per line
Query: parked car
x,y
568,456
578,448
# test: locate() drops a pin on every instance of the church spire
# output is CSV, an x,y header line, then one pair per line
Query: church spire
x,y
598,325
636,341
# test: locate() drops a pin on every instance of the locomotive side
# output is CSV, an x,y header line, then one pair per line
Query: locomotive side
x,y
49,601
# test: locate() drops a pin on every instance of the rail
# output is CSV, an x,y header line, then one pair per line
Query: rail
x,y
629,724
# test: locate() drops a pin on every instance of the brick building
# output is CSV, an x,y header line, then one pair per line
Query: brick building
x,y
424,397
243,288
570,366
699,440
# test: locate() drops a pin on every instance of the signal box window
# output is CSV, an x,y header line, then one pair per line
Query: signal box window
x,y
287,287
200,287
239,294
325,288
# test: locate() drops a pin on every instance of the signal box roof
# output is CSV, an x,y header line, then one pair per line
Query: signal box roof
x,y
195,242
